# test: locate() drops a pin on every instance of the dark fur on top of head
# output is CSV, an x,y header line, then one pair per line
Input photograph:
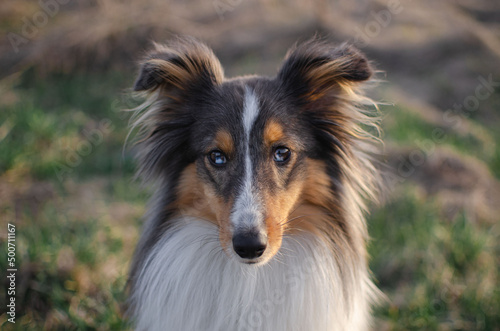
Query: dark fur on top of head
x,y
317,92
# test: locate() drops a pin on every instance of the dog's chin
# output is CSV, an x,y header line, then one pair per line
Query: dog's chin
x,y
254,262
258,262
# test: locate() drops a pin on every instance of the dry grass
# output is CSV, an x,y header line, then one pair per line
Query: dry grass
x,y
435,241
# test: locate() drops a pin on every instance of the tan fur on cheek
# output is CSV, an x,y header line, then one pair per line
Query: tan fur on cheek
x,y
195,198
313,214
278,208
317,185
191,198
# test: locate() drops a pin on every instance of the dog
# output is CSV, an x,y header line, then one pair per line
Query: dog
x,y
261,187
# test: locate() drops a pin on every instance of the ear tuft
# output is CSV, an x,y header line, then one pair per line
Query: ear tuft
x,y
149,77
354,64
319,66
179,64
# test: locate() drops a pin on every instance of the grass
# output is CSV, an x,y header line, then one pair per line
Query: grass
x,y
67,126
438,275
406,127
63,136
66,260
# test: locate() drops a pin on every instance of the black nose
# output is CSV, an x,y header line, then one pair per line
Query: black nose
x,y
249,245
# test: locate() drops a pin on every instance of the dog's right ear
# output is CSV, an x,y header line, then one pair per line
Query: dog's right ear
x,y
181,64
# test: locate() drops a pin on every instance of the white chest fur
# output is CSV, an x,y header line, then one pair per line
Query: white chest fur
x,y
189,283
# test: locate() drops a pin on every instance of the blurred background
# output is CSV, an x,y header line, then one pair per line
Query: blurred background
x,y
66,175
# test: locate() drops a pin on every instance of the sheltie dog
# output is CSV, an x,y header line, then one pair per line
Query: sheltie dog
x,y
257,222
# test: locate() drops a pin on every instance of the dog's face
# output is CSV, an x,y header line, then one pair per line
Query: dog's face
x,y
245,153
250,164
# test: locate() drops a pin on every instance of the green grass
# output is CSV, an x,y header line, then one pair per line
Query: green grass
x,y
75,241
406,127
66,126
73,256
67,133
62,258
438,275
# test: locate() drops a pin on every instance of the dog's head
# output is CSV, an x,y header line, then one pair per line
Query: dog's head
x,y
244,153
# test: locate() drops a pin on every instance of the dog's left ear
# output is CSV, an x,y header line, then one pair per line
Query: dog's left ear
x,y
179,65
314,68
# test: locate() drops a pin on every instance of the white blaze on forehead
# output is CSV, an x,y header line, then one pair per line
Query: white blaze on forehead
x,y
246,211
250,112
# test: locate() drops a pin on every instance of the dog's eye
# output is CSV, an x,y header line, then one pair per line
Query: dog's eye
x,y
281,154
217,158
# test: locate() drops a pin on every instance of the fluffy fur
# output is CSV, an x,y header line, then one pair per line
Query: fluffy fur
x,y
307,210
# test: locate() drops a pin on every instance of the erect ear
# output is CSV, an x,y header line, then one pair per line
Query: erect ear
x,y
179,64
315,67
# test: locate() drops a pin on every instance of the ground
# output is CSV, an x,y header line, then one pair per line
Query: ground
x,y
66,174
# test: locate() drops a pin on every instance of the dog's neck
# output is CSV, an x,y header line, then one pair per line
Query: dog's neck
x,y
191,284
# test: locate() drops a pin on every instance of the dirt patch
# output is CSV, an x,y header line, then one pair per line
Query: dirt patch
x,y
457,182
